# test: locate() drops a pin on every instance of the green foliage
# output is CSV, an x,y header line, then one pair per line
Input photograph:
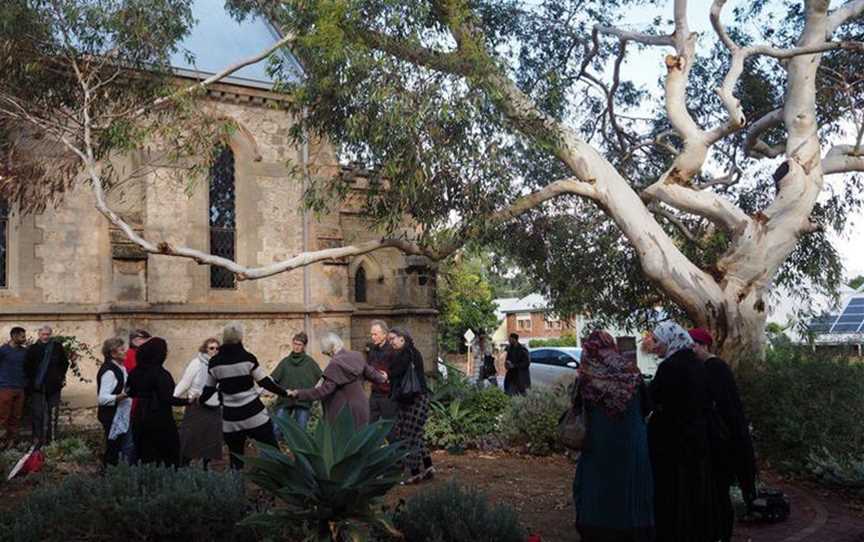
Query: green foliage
x,y
77,351
451,513
464,302
455,386
843,472
470,421
139,504
331,481
489,405
857,282
450,426
532,419
71,450
567,339
801,403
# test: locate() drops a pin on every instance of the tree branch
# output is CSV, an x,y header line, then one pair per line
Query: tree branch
x,y
678,223
215,78
843,159
848,11
736,67
638,37
753,143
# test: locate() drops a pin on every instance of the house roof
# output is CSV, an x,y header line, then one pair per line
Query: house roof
x,y
217,40
503,304
845,325
529,303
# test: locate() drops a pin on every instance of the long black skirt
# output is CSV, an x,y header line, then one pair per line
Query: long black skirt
x,y
685,504
201,433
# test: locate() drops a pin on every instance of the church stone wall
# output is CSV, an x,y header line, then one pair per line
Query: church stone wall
x,y
73,271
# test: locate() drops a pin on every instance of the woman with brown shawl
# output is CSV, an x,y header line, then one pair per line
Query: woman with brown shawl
x,y
613,490
342,382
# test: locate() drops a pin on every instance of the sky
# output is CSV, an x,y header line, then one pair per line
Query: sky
x,y
644,68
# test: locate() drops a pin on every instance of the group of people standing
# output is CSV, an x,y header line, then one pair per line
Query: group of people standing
x,y
659,460
38,372
221,387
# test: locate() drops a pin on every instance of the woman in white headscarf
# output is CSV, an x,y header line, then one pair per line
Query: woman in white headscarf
x,y
684,505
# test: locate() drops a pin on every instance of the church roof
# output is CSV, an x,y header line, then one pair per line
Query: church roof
x,y
217,40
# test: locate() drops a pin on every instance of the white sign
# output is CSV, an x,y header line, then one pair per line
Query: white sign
x,y
469,336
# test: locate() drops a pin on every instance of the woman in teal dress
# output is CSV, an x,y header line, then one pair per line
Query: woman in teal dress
x,y
613,490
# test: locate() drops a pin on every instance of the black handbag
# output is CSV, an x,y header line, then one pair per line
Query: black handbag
x,y
410,386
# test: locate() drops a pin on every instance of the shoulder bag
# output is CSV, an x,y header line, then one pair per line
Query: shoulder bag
x,y
410,386
572,427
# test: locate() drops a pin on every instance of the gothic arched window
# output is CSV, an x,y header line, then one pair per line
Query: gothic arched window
x,y
360,285
223,216
4,243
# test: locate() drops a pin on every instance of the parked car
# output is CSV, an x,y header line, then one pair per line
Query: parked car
x,y
551,365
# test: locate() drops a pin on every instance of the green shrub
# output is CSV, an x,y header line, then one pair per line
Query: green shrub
x,y
467,423
489,405
132,504
69,450
800,403
455,386
450,513
450,426
563,341
333,479
842,472
532,419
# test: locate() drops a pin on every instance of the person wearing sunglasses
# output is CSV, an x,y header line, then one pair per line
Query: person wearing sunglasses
x,y
201,428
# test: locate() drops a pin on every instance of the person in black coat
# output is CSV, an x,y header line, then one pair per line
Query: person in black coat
x,y
684,498
732,455
518,363
45,366
413,410
156,437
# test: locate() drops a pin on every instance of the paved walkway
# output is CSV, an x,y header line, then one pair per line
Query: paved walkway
x,y
813,519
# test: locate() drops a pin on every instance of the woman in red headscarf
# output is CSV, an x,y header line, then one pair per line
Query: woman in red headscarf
x,y
613,490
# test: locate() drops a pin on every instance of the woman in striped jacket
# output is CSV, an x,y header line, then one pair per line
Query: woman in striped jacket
x,y
233,373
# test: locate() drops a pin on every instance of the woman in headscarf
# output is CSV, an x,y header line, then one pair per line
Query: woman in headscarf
x,y
156,437
613,490
413,408
685,509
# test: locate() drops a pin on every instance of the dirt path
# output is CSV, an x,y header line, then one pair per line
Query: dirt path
x,y
538,488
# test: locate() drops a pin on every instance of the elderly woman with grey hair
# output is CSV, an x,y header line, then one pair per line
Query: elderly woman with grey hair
x,y
342,383
233,371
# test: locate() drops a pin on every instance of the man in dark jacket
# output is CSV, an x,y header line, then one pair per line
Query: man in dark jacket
x,y
379,354
732,453
518,363
45,366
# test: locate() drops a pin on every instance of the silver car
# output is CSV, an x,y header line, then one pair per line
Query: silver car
x,y
551,365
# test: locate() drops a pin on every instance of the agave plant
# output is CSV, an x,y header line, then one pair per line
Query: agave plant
x,y
331,481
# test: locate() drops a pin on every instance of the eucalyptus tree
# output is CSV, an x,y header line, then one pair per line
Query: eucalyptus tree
x,y
513,122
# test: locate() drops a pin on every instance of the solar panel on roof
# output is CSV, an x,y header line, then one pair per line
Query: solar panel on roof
x,y
852,318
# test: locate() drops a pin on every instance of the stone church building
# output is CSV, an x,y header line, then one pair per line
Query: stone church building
x,y
69,268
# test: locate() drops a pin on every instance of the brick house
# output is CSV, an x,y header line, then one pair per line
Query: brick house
x,y
530,318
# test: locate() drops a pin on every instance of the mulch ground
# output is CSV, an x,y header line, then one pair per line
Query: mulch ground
x,y
539,490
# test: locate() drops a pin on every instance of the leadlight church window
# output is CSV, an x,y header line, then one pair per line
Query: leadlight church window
x,y
223,216
4,243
